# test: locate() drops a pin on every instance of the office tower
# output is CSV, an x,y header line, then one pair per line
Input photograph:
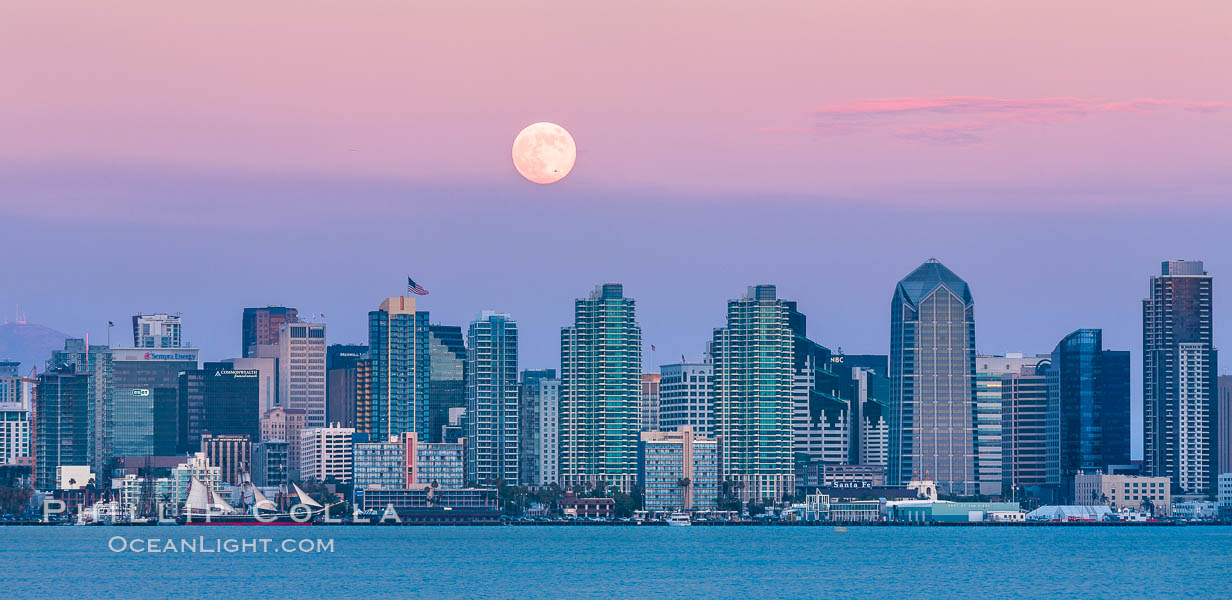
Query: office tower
x,y
1179,387
1088,409
232,454
822,398
988,420
261,326
1223,437
380,465
1024,431
649,415
932,381
753,404
398,350
600,391
284,424
16,394
326,453
145,384
539,422
492,399
270,463
686,398
219,400
267,378
446,376
870,402
94,361
341,362
63,405
301,369
159,330
678,470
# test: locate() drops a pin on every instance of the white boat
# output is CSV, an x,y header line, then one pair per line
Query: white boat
x,y
679,519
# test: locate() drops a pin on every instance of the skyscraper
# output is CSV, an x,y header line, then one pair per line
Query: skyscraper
x,y
1179,388
63,437
932,380
1223,434
753,378
159,330
1088,409
1024,429
340,380
990,370
446,376
301,369
686,398
145,384
492,399
94,361
260,326
600,390
219,400
398,352
822,399
16,393
649,414
539,422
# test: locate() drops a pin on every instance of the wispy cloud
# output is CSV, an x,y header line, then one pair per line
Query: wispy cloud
x,y
963,120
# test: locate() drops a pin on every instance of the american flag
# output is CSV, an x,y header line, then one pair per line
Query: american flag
x,y
414,288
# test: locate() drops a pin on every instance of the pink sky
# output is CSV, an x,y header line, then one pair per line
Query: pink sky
x,y
829,98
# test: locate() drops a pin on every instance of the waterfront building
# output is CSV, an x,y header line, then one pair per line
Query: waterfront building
x,y
951,512
442,465
62,407
261,327
219,400
1179,366
381,465
422,497
326,453
398,351
1223,431
686,397
341,362
678,470
232,454
492,399
94,361
1088,409
198,466
446,376
160,330
1223,495
145,384
990,370
301,369
600,391
1024,428
1123,491
753,404
932,380
539,423
267,377
649,415
270,463
16,394
818,474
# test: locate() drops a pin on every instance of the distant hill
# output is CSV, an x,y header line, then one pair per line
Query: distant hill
x,y
29,343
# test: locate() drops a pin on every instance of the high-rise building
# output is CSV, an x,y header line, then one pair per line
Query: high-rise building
x,y
301,369
95,361
1179,388
678,470
600,391
446,376
649,416
989,422
63,406
1223,436
270,463
1024,431
326,453
822,400
267,377
341,361
1088,409
159,330
232,454
686,397
870,399
932,381
219,400
260,326
539,424
398,351
145,385
284,424
16,394
753,404
492,399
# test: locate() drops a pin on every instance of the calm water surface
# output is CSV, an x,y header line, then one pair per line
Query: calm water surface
x,y
631,562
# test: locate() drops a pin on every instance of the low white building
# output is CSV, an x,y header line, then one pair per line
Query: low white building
x,y
326,452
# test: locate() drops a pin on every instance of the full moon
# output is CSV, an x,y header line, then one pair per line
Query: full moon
x,y
544,152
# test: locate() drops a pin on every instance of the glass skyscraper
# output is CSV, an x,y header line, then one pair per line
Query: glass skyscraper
x,y
932,381
600,391
145,384
398,352
446,377
492,399
63,435
1179,369
753,404
94,361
